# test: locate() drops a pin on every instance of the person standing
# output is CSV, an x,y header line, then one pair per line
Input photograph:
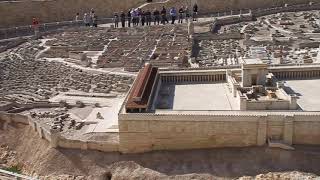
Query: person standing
x,y
95,21
195,12
156,15
143,18
86,20
35,25
139,13
133,15
92,15
129,18
123,19
164,16
148,17
116,20
187,12
77,17
181,12
173,14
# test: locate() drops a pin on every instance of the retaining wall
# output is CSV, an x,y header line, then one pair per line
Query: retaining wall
x,y
147,132
55,139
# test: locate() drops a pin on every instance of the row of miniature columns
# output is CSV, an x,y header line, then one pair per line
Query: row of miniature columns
x,y
193,78
297,74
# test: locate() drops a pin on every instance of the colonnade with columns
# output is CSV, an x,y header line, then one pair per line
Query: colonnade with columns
x,y
297,74
176,78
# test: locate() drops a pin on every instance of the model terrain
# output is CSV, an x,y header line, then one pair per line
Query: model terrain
x,y
230,96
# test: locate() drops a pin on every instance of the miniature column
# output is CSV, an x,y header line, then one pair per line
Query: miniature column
x,y
288,130
262,131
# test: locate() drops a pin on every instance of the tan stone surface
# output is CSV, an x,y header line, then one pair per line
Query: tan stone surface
x,y
21,13
169,132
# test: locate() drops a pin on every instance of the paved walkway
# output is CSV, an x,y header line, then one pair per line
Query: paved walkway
x,y
160,2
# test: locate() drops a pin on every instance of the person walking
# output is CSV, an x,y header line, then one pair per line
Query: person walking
x,y
123,19
164,16
148,17
195,12
86,20
181,12
156,15
116,20
129,18
173,14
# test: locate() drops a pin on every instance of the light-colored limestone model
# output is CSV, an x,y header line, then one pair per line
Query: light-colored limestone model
x,y
167,127
254,72
259,90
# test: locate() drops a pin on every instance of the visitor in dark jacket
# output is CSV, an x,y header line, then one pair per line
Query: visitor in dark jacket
x,y
129,18
164,15
123,19
181,12
156,15
148,17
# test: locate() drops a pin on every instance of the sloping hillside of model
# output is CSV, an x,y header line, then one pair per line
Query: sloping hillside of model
x,y
22,147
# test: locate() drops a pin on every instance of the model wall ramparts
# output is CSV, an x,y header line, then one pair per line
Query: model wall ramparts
x,y
55,139
147,132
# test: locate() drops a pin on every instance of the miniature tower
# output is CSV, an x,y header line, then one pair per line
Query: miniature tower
x,y
253,72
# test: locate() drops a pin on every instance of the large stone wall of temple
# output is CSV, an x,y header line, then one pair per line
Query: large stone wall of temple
x,y
170,134
21,12
147,132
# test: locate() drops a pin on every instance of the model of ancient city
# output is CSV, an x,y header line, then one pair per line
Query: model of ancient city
x,y
109,89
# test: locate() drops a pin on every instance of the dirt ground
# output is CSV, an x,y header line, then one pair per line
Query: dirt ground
x,y
35,156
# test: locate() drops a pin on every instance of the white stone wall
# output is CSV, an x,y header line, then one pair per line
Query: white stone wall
x,y
147,132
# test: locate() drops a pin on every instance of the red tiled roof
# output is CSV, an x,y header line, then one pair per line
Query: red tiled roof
x,y
144,75
141,91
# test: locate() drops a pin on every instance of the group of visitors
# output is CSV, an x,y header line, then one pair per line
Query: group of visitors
x,y
89,19
138,16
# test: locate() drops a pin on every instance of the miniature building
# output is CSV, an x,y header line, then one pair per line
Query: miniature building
x,y
253,72
199,108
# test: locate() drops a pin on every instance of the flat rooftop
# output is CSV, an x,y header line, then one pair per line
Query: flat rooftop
x,y
188,97
308,92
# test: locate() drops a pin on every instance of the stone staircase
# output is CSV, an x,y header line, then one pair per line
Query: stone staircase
x,y
279,144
